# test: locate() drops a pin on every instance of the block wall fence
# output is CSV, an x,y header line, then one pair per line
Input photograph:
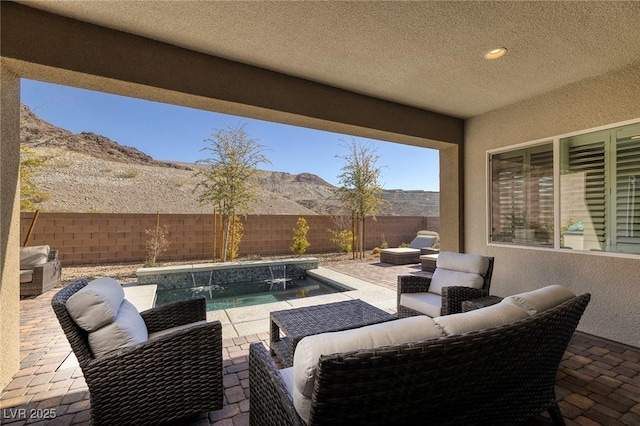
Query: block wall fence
x,y
86,238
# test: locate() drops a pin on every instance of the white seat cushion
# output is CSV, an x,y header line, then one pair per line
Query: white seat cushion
x,y
447,278
429,304
480,319
127,329
541,299
173,329
309,350
400,250
26,276
97,304
287,378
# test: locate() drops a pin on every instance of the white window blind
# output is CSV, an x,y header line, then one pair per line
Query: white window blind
x,y
522,196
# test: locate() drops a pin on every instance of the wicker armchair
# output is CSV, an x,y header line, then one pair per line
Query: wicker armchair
x,y
40,270
169,377
501,375
452,297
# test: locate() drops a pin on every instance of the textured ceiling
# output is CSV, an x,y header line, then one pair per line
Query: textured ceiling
x,y
424,54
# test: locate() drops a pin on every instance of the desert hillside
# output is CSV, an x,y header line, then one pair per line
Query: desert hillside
x,y
91,173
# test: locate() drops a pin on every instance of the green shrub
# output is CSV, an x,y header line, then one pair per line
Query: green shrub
x,y
299,244
343,239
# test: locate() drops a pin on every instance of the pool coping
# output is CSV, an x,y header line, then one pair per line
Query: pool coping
x,y
198,267
254,319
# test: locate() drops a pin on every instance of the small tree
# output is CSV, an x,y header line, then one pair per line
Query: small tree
x,y
359,188
299,244
30,164
157,243
228,180
235,237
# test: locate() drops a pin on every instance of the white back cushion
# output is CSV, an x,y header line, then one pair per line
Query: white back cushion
x,y
422,241
97,304
33,256
472,263
479,319
541,299
127,329
308,351
448,278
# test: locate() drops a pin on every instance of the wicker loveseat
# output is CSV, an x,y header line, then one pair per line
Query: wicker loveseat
x,y
175,372
495,375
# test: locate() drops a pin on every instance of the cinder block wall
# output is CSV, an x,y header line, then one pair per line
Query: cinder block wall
x,y
85,238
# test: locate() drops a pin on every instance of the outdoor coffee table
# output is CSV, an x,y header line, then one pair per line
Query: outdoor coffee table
x,y
301,322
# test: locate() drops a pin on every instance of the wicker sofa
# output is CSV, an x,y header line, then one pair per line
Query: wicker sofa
x,y
175,372
469,370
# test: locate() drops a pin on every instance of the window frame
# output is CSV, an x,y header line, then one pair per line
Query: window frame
x,y
555,141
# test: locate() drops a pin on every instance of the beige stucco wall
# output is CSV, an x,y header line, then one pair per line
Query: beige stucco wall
x,y
614,282
9,224
42,46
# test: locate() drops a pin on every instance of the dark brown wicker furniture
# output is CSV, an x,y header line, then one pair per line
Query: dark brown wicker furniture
x,y
479,303
452,297
301,322
169,377
45,276
502,375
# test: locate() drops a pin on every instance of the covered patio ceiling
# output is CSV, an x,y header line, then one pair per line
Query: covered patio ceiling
x,y
427,55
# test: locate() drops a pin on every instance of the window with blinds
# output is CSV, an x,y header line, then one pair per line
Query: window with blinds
x,y
598,192
598,198
522,196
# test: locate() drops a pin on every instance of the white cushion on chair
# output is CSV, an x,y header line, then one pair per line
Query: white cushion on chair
x,y
33,256
447,278
541,299
97,304
127,329
422,241
26,276
480,319
429,304
472,263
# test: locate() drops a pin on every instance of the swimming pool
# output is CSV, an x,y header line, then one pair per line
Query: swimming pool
x,y
243,294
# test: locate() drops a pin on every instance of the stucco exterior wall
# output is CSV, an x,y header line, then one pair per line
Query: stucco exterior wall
x,y
9,224
613,281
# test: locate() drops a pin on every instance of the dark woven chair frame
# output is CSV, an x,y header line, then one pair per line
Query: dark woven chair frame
x,y
45,276
452,297
504,375
172,376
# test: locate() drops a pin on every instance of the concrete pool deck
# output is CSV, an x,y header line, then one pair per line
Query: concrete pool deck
x,y
255,319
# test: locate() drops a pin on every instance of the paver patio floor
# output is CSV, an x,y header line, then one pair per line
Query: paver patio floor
x,y
598,381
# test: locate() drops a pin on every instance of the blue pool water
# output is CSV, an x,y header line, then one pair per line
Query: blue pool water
x,y
249,294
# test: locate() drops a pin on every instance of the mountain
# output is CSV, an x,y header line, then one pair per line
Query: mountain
x,y
87,172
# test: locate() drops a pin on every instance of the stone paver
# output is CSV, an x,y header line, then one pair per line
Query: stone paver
x,y
598,382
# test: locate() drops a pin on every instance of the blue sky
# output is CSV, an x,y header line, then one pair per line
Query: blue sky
x,y
168,132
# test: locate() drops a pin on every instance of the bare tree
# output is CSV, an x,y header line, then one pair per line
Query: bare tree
x,y
359,188
228,180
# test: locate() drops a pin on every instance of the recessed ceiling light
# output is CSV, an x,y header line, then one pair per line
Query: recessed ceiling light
x,y
495,53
